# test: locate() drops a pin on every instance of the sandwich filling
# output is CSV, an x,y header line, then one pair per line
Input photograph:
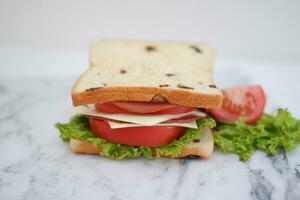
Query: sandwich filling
x,y
135,129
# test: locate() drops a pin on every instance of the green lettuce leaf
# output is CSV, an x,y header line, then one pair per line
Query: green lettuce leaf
x,y
269,134
78,128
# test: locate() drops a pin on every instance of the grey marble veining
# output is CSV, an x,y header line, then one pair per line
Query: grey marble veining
x,y
36,164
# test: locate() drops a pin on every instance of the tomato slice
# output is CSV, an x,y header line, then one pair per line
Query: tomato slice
x,y
248,101
136,136
142,108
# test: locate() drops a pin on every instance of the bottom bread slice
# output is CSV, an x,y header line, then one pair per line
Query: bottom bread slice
x,y
200,147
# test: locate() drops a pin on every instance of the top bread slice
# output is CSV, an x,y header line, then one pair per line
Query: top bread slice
x,y
127,70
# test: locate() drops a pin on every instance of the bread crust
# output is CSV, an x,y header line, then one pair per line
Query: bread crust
x,y
199,149
147,94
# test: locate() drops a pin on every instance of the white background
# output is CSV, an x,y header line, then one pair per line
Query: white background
x,y
259,38
261,31
257,43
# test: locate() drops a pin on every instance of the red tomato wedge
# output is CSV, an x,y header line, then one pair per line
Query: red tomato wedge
x,y
248,101
141,108
136,136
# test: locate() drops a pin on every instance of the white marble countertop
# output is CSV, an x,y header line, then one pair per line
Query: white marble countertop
x,y
36,164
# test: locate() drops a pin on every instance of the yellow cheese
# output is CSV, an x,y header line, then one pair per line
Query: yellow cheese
x,y
115,124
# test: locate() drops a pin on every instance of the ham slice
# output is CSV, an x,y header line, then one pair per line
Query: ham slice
x,y
147,120
141,108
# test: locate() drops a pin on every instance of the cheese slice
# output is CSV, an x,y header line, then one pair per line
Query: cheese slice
x,y
115,124
146,120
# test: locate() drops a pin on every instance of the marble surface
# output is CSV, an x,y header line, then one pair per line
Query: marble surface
x,y
36,164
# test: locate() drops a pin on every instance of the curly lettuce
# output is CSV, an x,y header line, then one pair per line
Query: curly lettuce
x,y
268,134
78,128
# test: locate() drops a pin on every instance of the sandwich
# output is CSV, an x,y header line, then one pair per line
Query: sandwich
x,y
144,99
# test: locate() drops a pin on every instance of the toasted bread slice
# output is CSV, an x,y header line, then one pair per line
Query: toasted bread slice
x,y
202,147
175,72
